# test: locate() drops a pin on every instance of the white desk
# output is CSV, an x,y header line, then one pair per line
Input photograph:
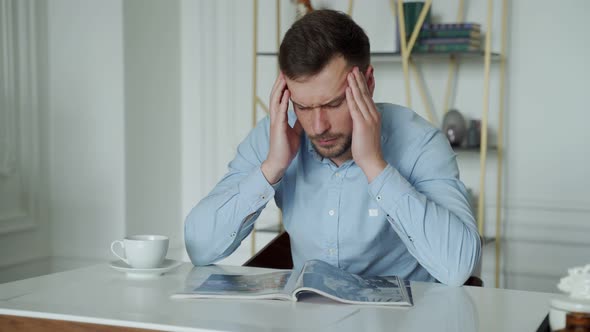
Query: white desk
x,y
100,295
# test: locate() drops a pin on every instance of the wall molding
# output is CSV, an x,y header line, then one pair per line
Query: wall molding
x,y
563,221
541,239
549,204
38,266
24,261
23,85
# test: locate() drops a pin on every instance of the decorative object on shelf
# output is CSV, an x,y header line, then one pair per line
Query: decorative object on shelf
x,y
572,312
474,134
303,7
412,11
454,127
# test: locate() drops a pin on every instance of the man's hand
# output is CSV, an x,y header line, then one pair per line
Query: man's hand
x,y
284,140
366,126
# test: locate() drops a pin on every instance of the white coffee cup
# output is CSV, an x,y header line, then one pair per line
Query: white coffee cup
x,y
142,251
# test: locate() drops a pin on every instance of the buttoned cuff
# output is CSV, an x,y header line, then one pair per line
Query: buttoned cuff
x,y
256,191
389,186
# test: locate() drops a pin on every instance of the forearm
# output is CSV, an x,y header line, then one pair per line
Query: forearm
x,y
435,224
219,223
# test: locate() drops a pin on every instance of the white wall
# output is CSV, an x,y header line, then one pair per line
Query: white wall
x,y
120,161
548,198
86,111
152,118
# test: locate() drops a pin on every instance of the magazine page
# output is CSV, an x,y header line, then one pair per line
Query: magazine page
x,y
294,282
337,284
235,286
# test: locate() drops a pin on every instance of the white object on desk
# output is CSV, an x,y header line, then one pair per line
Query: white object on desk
x,y
168,265
577,285
142,251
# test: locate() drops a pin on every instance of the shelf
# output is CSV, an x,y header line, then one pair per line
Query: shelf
x,y
267,53
440,56
275,228
396,56
434,56
473,149
487,240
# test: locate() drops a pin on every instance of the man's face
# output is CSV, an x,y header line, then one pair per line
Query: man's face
x,y
320,104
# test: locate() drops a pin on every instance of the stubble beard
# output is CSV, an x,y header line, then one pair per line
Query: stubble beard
x,y
340,148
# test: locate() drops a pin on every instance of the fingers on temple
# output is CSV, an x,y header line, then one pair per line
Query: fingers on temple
x,y
355,113
277,92
360,80
285,101
357,95
365,95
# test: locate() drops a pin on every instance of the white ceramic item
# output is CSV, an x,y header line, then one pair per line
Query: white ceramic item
x,y
577,285
142,251
167,266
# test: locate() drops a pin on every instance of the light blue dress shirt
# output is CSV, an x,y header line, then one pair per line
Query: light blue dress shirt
x,y
414,220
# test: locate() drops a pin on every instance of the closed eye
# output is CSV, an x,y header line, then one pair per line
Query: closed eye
x,y
301,108
335,104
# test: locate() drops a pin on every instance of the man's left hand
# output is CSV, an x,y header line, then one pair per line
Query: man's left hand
x,y
366,126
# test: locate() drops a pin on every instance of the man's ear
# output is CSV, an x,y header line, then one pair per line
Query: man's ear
x,y
370,78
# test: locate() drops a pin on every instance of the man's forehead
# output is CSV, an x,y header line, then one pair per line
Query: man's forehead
x,y
310,95
322,103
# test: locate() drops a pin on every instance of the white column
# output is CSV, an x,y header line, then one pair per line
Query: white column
x,y
152,118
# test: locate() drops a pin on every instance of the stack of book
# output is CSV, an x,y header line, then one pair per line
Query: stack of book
x,y
449,37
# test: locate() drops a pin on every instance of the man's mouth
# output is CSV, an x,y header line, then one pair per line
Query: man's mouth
x,y
326,141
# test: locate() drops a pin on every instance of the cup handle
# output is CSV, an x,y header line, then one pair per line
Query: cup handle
x,y
115,253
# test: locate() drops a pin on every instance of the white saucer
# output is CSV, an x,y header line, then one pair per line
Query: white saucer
x,y
168,265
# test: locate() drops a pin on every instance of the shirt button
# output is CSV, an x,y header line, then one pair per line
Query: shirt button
x,y
332,251
233,234
378,197
338,175
262,197
331,212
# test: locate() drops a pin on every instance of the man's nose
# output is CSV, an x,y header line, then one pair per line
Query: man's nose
x,y
321,123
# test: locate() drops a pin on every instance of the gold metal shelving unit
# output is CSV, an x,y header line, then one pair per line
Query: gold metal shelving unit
x,y
409,65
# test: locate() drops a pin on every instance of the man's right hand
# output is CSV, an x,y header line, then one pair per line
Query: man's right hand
x,y
284,140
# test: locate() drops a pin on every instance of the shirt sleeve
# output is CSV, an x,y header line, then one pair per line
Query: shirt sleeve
x,y
216,226
430,212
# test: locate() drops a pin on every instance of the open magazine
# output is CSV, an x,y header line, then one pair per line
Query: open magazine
x,y
316,277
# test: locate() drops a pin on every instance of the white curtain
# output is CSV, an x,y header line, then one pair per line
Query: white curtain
x,y
8,124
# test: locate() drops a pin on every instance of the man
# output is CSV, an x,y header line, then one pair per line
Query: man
x,y
371,188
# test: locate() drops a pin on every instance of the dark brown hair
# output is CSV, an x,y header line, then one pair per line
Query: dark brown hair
x,y
317,38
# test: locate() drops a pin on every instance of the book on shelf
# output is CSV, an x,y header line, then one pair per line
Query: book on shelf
x,y
315,277
446,48
451,26
445,41
449,34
